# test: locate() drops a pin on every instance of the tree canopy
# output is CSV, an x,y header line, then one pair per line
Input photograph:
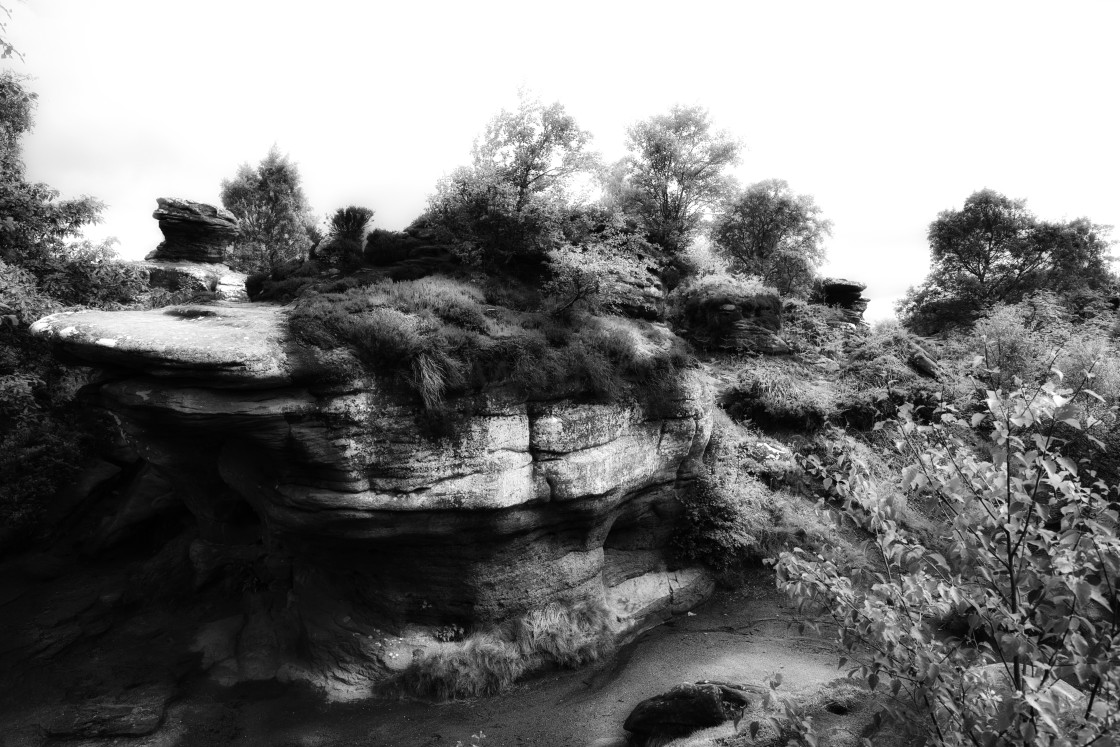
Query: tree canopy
x,y
507,208
275,217
534,149
768,231
675,171
993,250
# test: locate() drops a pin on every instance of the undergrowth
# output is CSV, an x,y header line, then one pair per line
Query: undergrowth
x,y
489,661
437,336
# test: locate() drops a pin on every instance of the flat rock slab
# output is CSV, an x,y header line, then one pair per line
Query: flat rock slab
x,y
240,344
134,714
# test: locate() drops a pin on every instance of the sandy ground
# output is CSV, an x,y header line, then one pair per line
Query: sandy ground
x,y
741,636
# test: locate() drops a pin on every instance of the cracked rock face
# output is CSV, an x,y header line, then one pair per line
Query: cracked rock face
x,y
193,231
393,535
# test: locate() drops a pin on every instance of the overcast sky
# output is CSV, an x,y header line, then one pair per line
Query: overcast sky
x,y
886,113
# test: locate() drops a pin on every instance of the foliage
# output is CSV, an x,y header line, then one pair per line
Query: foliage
x,y
436,336
732,519
273,211
1029,563
489,661
768,231
536,149
506,211
477,214
601,272
6,48
783,395
43,270
351,222
675,171
342,247
994,250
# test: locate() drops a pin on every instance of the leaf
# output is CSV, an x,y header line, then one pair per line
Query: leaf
x,y
754,729
872,680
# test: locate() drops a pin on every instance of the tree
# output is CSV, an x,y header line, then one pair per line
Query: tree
x,y
534,149
343,244
769,231
675,171
506,210
43,437
274,214
994,250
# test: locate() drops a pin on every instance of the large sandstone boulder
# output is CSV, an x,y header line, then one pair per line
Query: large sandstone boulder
x,y
388,538
193,231
192,254
684,709
843,294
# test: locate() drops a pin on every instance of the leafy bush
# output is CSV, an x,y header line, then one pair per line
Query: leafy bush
x,y
436,336
732,519
1029,560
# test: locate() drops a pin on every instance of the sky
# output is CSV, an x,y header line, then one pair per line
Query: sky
x,y
886,113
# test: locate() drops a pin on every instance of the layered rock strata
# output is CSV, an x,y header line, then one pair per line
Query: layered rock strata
x,y
388,539
736,321
846,295
192,254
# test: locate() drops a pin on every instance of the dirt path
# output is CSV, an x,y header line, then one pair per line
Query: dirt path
x,y
739,636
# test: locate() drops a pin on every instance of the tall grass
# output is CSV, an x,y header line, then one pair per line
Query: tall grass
x,y
489,661
437,336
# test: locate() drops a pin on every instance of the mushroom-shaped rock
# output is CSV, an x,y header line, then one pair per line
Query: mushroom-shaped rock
x,y
191,256
193,231
685,709
844,294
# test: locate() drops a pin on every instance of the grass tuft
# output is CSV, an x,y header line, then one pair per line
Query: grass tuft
x,y
489,661
437,336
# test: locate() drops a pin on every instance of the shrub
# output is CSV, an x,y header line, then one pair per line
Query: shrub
x,y
435,336
782,395
732,519
387,247
1030,562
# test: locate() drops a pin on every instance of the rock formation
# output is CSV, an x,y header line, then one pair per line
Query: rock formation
x,y
844,294
193,231
376,539
727,319
192,253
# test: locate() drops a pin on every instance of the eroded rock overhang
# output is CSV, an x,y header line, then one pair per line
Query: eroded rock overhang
x,y
392,533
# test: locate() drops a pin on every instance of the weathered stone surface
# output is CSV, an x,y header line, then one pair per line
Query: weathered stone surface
x,y
197,277
845,294
387,535
193,231
131,714
743,322
225,345
685,709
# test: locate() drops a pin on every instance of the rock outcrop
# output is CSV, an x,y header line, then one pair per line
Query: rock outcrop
x,y
843,294
193,231
192,254
726,318
376,540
